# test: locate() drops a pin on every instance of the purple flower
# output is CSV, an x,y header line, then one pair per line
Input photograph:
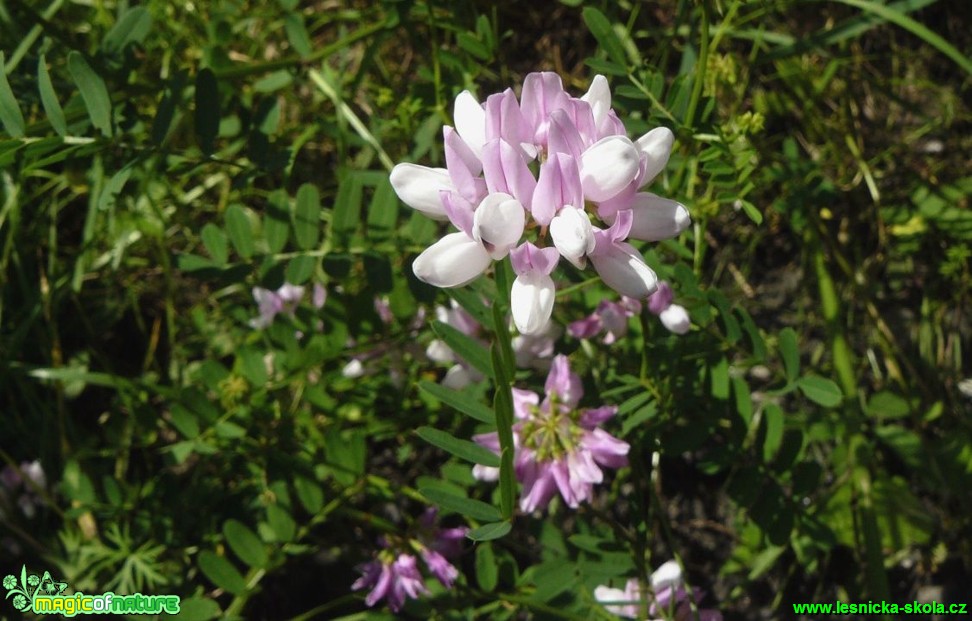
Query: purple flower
x,y
391,579
609,317
558,448
674,317
588,169
667,597
271,303
395,576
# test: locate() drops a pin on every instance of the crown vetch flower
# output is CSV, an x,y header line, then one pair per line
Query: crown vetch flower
x,y
609,317
558,448
674,317
668,597
394,576
582,195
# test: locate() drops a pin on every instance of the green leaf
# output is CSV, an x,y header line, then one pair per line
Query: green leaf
x,y
131,28
719,373
307,217
347,204
602,30
207,110
459,400
553,578
185,421
300,269
10,114
503,408
464,346
487,573
733,331
276,223
820,390
488,532
474,46
773,416
754,214
283,526
791,355
744,401
474,509
221,572
749,326
216,242
49,98
907,444
887,405
471,301
93,92
310,494
240,230
463,449
297,35
383,211
166,110
252,366
244,543
198,608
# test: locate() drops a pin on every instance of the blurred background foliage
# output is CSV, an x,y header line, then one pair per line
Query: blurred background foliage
x,y
810,440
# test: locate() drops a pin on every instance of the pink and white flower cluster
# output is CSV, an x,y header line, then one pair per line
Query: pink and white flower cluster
x,y
283,300
668,598
609,317
23,485
585,168
530,351
674,317
557,446
394,576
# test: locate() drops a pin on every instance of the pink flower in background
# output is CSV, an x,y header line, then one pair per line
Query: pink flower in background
x,y
23,486
668,598
558,447
283,300
533,350
674,317
609,317
583,203
392,579
395,576
271,303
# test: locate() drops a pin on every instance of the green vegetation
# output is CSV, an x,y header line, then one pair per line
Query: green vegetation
x,y
806,441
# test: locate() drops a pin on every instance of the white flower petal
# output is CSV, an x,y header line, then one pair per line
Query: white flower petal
x,y
498,223
656,145
573,235
457,378
676,319
622,268
470,120
669,574
419,187
655,218
438,351
453,261
608,166
531,301
599,96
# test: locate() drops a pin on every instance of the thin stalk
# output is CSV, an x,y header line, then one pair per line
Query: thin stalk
x,y
700,64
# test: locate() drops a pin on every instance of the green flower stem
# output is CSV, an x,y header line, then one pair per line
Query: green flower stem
x,y
700,65
503,368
